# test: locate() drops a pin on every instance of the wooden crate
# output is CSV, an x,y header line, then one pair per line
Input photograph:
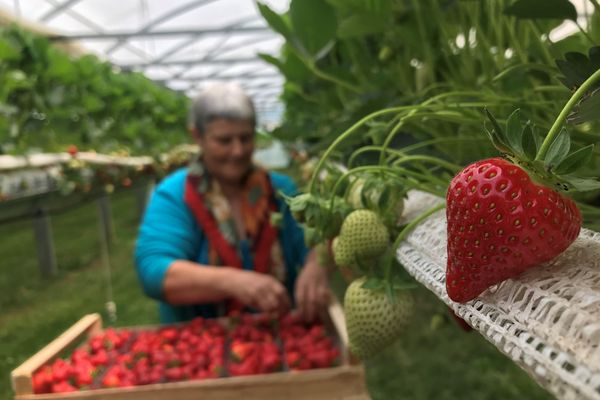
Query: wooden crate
x,y
343,382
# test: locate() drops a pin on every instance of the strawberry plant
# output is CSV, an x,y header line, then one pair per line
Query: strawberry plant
x,y
504,215
354,212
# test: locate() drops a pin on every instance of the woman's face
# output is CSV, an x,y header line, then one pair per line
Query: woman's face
x,y
227,147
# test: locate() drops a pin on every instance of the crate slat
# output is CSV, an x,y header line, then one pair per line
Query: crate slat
x,y
341,383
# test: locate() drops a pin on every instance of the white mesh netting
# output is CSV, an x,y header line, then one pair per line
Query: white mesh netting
x,y
547,320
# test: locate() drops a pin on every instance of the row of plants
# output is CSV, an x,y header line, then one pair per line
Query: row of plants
x,y
92,174
50,99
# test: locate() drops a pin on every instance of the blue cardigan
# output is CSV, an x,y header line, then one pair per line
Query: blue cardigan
x,y
170,232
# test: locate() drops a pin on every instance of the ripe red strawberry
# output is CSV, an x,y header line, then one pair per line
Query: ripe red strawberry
x,y
42,380
72,150
500,223
63,387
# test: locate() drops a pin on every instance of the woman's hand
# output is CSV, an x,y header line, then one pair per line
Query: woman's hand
x,y
260,291
312,288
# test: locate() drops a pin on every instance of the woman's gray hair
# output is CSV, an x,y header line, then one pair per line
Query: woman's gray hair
x,y
221,100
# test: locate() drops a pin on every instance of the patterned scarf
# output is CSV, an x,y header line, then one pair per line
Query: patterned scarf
x,y
213,213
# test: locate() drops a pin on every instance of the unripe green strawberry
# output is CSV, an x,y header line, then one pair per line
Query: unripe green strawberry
x,y
342,253
344,261
372,321
363,233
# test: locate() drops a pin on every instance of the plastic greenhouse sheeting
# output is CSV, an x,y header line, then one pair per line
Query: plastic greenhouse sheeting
x,y
183,44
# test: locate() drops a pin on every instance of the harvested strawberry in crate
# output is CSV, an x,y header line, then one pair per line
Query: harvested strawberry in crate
x,y
307,345
127,358
253,349
256,353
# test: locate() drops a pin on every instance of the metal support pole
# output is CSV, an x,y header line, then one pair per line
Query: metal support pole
x,y
44,244
142,195
104,215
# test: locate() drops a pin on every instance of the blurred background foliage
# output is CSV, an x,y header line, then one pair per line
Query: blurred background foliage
x,y
50,99
361,56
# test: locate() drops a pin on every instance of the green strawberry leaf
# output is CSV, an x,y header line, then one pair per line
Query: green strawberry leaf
x,y
496,134
373,283
530,145
389,293
384,197
271,60
542,9
514,132
576,67
401,283
277,22
297,204
314,24
558,149
332,221
581,184
363,24
587,109
575,160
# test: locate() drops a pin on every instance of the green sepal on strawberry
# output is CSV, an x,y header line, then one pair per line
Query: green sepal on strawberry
x,y
377,193
506,215
319,221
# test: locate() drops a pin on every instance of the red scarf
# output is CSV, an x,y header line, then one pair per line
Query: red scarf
x,y
258,202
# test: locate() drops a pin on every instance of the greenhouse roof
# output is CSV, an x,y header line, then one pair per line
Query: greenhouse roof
x,y
183,44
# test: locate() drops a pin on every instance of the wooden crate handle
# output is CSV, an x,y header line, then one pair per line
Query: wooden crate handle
x,y
21,376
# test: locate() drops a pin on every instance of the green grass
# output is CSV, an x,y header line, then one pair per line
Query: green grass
x,y
438,360
433,360
36,310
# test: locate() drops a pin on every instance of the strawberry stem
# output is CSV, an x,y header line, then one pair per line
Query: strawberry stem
x,y
433,160
401,154
430,142
366,168
408,228
343,136
420,183
560,120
